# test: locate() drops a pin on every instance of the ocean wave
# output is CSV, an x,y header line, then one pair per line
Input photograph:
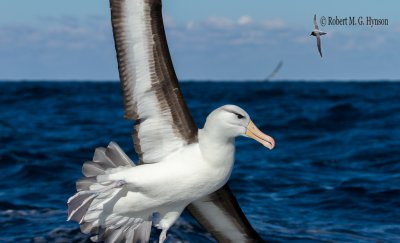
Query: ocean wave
x,y
333,176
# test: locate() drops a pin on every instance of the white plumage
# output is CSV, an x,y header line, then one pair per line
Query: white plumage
x,y
123,198
179,165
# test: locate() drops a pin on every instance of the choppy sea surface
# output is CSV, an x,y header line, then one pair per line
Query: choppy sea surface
x,y
334,175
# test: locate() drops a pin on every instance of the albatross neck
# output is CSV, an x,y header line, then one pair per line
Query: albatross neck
x,y
216,147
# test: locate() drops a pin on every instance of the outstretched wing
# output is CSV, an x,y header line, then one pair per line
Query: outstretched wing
x,y
319,44
220,214
153,99
315,22
150,87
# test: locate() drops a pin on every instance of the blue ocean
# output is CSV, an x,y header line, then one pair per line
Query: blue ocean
x,y
334,175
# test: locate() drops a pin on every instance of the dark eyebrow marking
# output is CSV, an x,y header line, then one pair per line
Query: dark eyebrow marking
x,y
231,111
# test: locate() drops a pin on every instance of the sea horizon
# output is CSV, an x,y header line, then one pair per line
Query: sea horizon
x,y
210,80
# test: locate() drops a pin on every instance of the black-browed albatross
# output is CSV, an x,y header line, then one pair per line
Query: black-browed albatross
x,y
181,166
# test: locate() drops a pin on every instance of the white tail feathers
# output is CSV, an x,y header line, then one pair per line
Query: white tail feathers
x,y
87,206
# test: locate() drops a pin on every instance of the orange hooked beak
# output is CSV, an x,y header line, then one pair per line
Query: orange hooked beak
x,y
253,132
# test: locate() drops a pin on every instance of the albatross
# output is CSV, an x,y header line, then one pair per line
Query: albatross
x,y
180,166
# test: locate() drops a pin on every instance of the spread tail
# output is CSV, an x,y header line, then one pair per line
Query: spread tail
x,y
88,205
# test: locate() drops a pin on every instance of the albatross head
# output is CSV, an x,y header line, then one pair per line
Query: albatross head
x,y
230,121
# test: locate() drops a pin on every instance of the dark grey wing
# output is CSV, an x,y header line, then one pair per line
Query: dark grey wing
x,y
149,84
315,22
319,44
220,214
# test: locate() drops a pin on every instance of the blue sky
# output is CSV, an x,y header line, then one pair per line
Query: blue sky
x,y
209,40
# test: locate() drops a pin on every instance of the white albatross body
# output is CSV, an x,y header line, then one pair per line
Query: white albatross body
x,y
183,177
180,165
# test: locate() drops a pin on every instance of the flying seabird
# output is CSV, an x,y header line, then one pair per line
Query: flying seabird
x,y
180,165
274,72
317,33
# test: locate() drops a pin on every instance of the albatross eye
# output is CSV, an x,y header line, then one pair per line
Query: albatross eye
x,y
239,116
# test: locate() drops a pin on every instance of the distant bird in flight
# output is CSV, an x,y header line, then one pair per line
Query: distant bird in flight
x,y
317,33
275,71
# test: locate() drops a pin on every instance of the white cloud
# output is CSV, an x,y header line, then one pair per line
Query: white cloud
x,y
63,32
274,24
244,20
217,31
362,40
190,25
92,32
226,40
220,22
